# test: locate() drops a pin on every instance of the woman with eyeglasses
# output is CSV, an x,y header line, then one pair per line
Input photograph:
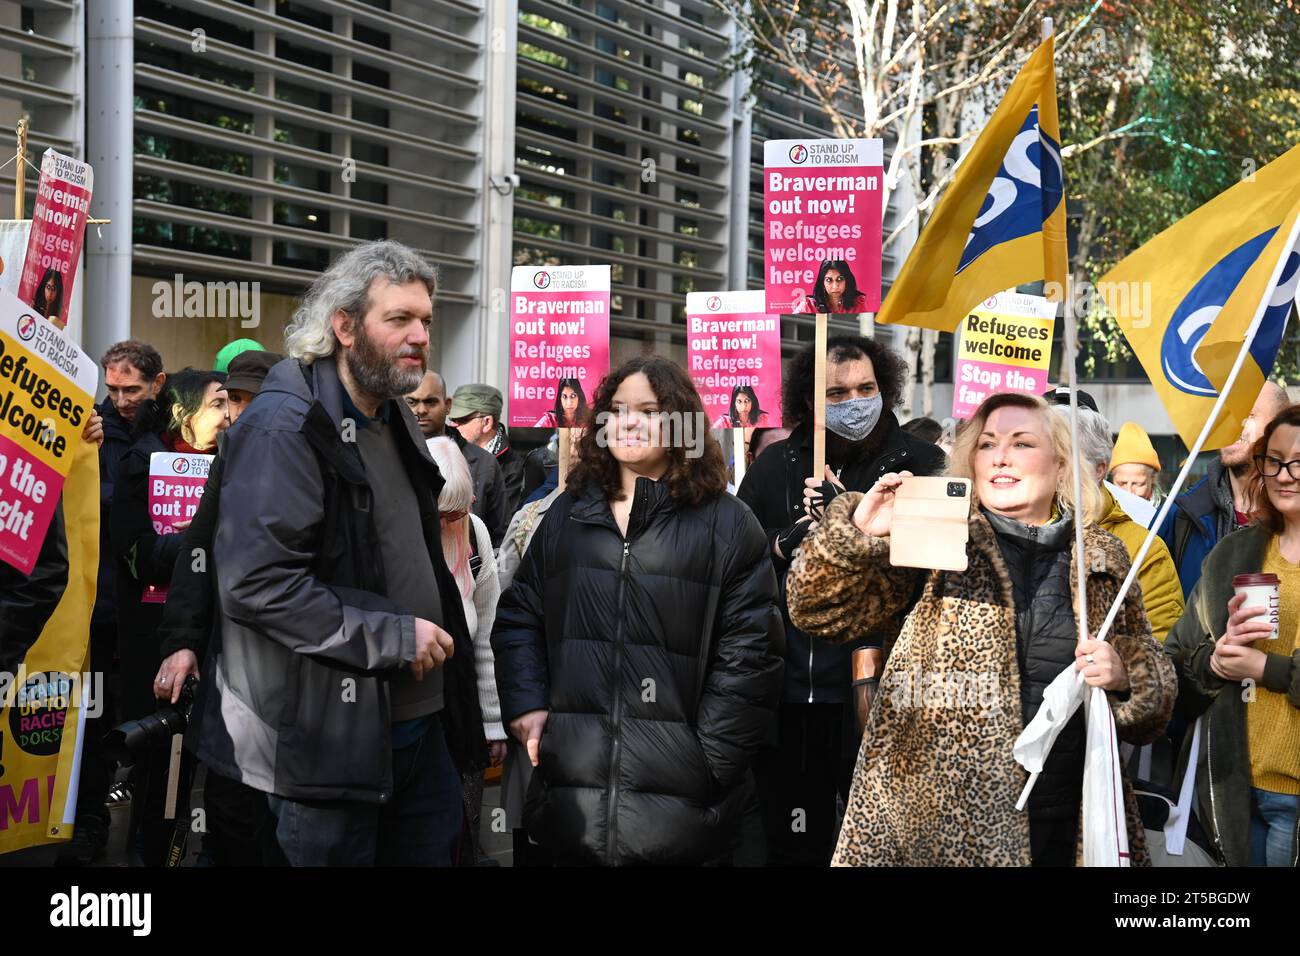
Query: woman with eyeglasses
x,y
1247,682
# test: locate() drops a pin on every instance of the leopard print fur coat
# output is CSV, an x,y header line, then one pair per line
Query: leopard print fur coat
x,y
936,783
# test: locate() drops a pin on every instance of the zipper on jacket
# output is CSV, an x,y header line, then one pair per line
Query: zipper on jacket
x,y
811,646
611,838
1209,775
1027,582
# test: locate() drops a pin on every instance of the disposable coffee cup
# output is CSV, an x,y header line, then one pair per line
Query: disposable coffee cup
x,y
1262,590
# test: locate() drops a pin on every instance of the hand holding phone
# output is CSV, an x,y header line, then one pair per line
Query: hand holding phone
x,y
875,512
930,517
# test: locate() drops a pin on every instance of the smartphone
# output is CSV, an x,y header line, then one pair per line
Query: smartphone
x,y
930,527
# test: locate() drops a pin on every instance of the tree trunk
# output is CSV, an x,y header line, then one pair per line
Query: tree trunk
x,y
911,352
929,340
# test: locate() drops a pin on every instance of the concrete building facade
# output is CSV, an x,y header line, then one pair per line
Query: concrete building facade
x,y
241,144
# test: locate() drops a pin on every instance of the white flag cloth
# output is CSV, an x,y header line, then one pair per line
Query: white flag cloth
x,y
1105,833
1139,509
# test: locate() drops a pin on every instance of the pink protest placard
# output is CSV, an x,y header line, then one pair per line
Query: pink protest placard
x,y
46,393
734,356
1006,344
821,225
559,343
175,486
58,229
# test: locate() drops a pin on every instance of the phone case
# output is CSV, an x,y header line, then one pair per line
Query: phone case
x,y
930,526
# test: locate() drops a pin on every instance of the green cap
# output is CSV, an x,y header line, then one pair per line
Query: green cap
x,y
232,349
475,400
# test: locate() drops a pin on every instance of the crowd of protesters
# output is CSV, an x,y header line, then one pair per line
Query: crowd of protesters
x,y
379,598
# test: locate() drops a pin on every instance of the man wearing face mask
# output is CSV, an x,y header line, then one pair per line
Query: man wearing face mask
x,y
799,778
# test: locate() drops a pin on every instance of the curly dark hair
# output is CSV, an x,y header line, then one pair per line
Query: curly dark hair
x,y
690,480
797,386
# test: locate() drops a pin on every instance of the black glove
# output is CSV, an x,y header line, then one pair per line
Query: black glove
x,y
788,541
817,506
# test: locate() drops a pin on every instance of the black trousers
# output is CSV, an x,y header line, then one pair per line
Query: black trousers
x,y
97,770
240,825
154,837
800,779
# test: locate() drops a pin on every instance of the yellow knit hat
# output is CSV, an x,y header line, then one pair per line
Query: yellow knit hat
x,y
1134,447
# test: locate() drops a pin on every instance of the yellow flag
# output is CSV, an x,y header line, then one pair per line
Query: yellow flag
x,y
40,736
1186,299
1001,222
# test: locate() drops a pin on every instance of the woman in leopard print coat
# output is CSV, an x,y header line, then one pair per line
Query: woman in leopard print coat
x,y
936,783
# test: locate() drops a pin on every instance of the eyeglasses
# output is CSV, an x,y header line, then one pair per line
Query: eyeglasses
x,y
1271,467
458,422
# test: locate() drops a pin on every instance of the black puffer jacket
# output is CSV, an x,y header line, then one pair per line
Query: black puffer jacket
x,y
1038,563
651,726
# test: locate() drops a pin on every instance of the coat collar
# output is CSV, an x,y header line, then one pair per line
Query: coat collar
x,y
1103,552
650,499
326,422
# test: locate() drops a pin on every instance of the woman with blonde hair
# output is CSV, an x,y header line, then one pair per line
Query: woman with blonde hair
x,y
936,783
467,547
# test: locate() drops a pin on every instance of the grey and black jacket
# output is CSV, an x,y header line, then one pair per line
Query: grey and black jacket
x,y
297,702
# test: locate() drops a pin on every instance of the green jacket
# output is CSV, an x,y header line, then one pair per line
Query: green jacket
x,y
1223,789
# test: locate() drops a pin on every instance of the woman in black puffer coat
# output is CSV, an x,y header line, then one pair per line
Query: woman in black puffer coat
x,y
638,651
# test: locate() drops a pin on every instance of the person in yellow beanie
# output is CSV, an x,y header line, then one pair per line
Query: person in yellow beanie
x,y
1134,463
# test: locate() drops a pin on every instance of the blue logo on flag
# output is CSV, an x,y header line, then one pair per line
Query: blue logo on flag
x,y
1195,314
1025,192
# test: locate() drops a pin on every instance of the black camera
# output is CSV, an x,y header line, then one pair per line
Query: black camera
x,y
133,739
956,489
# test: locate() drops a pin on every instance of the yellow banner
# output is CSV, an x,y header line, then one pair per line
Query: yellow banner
x,y
1004,339
39,749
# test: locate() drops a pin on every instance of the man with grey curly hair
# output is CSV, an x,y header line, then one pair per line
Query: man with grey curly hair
x,y
343,683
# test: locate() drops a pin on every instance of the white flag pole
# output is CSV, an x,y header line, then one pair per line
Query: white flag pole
x,y
1205,431
1070,358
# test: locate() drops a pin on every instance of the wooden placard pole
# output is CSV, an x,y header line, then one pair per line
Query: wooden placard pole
x,y
867,325
739,449
819,398
564,457
20,171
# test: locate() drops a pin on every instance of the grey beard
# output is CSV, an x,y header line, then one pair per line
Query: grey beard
x,y
376,375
